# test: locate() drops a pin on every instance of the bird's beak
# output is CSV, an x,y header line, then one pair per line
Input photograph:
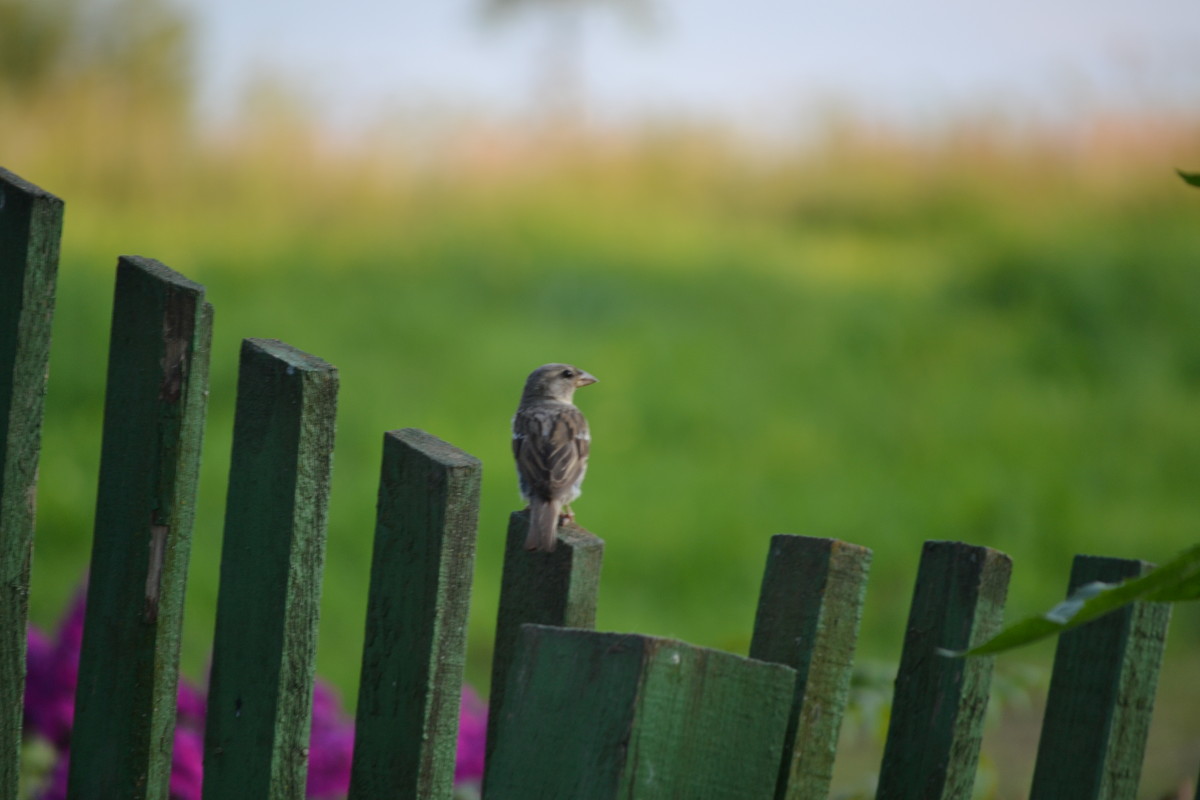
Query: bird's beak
x,y
584,379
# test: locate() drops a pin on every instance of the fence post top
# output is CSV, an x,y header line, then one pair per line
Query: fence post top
x,y
432,447
293,357
15,181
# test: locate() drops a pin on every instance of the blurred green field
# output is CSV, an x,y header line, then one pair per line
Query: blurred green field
x,y
874,337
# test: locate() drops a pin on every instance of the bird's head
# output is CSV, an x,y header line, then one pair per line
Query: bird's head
x,y
556,381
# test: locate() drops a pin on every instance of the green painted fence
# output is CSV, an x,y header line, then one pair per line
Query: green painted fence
x,y
149,463
30,225
574,713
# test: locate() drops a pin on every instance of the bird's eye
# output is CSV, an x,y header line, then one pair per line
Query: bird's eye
x,y
566,373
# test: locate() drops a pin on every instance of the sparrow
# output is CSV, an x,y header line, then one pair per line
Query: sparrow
x,y
550,442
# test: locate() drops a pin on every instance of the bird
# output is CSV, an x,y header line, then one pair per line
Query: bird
x,y
551,442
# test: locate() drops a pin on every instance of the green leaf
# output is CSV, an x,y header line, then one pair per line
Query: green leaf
x,y
1191,177
1176,581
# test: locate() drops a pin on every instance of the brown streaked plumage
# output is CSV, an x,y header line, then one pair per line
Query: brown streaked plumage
x,y
551,444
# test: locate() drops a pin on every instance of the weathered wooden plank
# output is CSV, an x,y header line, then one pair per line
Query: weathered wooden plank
x,y
556,588
260,690
424,557
149,464
936,725
809,611
30,226
606,715
1101,694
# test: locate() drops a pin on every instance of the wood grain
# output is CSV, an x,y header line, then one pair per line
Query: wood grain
x,y
412,670
936,726
145,507
30,227
1101,695
260,692
808,617
558,588
594,716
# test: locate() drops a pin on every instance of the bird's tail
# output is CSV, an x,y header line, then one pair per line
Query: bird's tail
x,y
543,526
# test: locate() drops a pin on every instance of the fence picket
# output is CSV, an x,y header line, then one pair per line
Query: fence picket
x,y
149,462
556,588
421,568
1101,694
808,616
599,716
30,227
260,691
936,726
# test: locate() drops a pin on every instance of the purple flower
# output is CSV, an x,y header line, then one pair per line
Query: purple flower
x,y
53,672
191,705
52,669
187,756
187,764
472,736
331,745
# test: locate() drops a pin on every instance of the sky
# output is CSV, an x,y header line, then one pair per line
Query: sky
x,y
755,62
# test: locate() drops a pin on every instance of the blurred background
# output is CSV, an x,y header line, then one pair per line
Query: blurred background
x,y
857,270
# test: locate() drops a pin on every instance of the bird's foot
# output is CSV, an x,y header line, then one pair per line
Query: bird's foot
x,y
565,516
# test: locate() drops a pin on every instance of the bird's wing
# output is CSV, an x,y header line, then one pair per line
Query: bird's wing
x,y
551,446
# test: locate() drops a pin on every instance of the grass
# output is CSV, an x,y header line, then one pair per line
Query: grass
x,y
880,338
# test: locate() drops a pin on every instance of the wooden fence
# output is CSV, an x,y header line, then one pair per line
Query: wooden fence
x,y
574,713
